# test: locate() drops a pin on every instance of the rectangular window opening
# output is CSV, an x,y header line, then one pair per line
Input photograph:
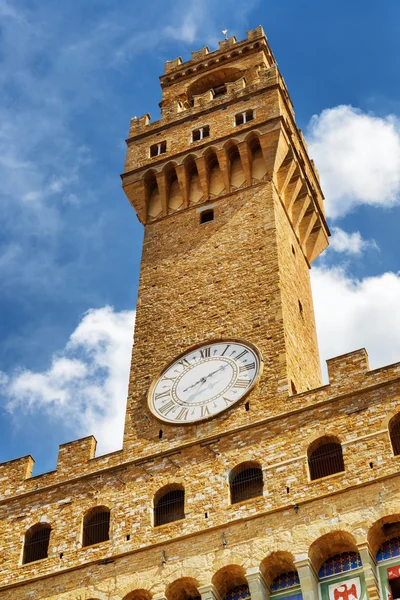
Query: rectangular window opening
x,y
157,149
206,216
244,117
200,133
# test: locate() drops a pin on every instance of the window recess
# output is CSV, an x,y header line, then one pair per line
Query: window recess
x,y
244,117
157,149
200,133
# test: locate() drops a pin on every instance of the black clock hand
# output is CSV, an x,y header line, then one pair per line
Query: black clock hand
x,y
203,379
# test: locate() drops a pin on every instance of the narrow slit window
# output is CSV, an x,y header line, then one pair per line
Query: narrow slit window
x,y
206,216
157,149
244,117
200,133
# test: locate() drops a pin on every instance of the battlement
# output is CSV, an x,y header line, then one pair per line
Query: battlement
x,y
175,65
348,374
75,459
258,79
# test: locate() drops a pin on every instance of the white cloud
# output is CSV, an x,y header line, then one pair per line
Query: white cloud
x,y
85,386
350,243
358,157
353,314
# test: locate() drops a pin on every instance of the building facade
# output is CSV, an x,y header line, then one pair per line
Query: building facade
x,y
241,475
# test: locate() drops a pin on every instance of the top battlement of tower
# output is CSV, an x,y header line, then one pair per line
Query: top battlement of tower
x,y
210,79
228,49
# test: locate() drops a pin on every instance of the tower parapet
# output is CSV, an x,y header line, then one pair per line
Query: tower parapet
x,y
228,104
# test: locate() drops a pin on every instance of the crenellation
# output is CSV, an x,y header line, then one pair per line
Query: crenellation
x,y
171,65
289,474
14,472
200,54
253,34
72,456
227,43
347,366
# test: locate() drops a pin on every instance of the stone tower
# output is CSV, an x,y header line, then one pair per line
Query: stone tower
x,y
227,151
241,476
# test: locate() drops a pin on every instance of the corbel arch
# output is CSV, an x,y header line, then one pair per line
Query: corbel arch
x,y
195,191
279,570
258,164
331,545
152,195
229,579
138,594
216,185
184,588
173,190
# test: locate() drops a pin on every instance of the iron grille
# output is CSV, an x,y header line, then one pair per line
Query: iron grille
x,y
170,507
36,544
96,528
247,484
395,437
326,460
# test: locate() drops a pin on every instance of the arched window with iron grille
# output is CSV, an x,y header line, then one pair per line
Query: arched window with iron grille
x,y
325,457
245,482
96,526
169,505
36,545
394,432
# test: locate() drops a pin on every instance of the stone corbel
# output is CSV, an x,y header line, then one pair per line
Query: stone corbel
x,y
225,169
203,176
183,181
245,157
163,190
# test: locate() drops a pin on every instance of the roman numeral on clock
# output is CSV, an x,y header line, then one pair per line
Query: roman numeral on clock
x,y
241,354
205,411
164,410
205,353
249,367
184,363
227,401
242,383
161,395
182,414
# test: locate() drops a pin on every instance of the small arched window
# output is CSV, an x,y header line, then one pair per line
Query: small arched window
x,y
169,505
246,481
325,457
394,432
36,544
96,526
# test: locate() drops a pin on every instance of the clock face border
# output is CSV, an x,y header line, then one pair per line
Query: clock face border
x,y
193,348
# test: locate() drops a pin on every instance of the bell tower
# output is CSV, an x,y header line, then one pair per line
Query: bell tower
x,y
233,218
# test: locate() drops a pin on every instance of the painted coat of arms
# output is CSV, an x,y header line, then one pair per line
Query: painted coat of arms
x,y
350,589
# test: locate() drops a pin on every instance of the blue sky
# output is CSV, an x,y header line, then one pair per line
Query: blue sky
x,y
72,75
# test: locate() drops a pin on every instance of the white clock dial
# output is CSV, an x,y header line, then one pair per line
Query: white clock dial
x,y
205,381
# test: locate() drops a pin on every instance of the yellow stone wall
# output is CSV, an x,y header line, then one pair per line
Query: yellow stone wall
x,y
240,275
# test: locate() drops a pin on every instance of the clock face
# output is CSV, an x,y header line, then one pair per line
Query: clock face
x,y
205,381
